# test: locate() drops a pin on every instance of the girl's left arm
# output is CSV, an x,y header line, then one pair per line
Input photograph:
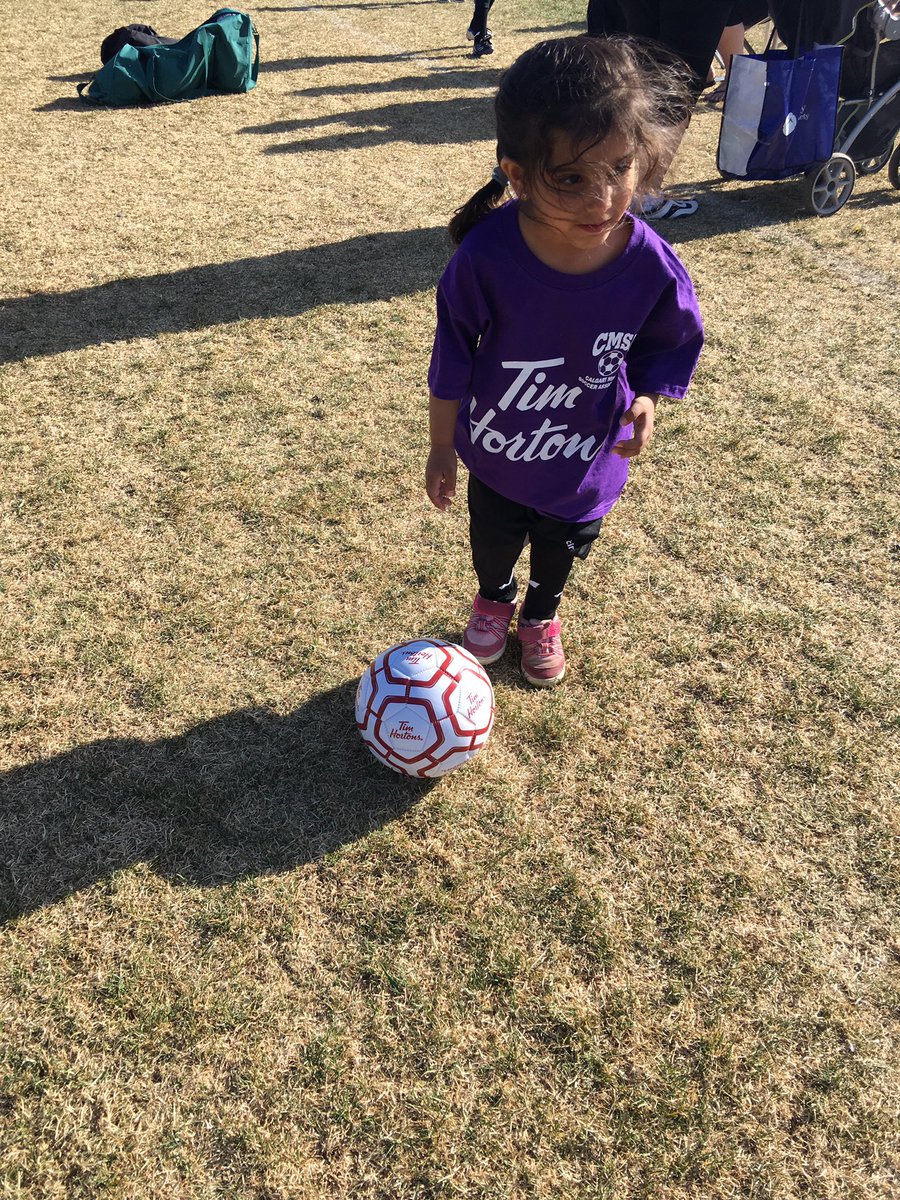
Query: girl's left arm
x,y
641,414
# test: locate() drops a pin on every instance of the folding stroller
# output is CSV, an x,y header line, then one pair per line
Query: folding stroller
x,y
868,107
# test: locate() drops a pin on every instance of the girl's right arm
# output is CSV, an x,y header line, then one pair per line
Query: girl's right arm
x,y
440,470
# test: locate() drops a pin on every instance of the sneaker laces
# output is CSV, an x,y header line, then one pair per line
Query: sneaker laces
x,y
485,623
547,645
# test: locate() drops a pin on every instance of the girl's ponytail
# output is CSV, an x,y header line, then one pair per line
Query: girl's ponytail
x,y
485,199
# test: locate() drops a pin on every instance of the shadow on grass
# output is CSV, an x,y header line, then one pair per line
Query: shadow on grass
x,y
443,77
568,27
328,7
310,62
244,794
375,266
730,207
66,104
422,122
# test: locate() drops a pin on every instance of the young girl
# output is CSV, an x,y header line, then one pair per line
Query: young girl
x,y
561,320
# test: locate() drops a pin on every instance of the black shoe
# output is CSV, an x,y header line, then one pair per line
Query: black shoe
x,y
483,45
471,35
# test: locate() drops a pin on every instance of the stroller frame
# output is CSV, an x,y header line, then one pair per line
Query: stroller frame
x,y
829,185
868,91
844,139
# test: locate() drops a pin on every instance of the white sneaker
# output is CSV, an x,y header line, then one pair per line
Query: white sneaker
x,y
660,208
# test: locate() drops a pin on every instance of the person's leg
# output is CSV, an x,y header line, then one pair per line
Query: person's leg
x,y
657,202
551,565
554,547
730,43
478,27
498,532
498,529
692,30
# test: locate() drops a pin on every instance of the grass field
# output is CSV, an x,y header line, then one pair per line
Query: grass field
x,y
647,944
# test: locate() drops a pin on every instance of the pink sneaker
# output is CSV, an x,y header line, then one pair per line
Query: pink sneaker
x,y
485,636
543,660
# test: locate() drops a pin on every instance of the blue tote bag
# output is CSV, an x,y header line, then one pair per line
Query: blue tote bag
x,y
780,113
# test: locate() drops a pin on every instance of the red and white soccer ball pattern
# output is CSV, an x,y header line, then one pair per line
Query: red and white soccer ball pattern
x,y
425,707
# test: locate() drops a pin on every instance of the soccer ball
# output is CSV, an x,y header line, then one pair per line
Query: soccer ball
x,y
424,707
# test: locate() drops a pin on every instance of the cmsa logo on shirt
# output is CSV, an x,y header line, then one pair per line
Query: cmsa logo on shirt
x,y
609,349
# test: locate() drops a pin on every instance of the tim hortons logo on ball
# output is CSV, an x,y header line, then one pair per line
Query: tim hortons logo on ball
x,y
473,703
405,732
416,656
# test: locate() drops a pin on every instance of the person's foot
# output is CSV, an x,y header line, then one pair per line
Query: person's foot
x,y
483,45
543,660
663,208
471,35
717,95
485,635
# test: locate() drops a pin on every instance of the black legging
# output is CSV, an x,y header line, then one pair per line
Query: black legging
x,y
480,16
499,530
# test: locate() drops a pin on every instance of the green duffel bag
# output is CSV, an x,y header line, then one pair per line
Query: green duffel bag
x,y
221,55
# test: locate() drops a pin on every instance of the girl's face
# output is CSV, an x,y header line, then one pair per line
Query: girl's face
x,y
581,199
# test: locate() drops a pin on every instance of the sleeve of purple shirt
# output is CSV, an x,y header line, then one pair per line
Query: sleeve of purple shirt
x,y
664,354
462,318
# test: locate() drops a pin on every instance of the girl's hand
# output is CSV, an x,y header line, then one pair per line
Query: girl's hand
x,y
440,476
643,415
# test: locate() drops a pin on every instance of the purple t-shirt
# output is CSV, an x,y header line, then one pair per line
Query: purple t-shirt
x,y
543,364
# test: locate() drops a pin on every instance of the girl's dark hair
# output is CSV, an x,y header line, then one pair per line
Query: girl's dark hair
x,y
588,89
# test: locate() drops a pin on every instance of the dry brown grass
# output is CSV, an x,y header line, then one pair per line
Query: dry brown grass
x,y
647,944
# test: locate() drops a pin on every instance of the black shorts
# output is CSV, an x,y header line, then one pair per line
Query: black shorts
x,y
691,29
748,13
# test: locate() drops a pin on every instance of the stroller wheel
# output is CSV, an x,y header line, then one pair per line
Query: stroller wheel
x,y
828,187
871,166
894,167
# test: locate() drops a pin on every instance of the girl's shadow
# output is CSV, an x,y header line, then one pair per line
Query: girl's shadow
x,y
244,794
